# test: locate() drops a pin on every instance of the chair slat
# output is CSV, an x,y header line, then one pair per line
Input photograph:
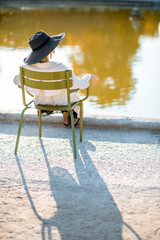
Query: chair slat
x,y
42,85
46,75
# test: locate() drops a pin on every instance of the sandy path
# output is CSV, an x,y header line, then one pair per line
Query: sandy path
x,y
111,192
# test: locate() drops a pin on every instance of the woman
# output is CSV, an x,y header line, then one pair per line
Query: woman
x,y
43,46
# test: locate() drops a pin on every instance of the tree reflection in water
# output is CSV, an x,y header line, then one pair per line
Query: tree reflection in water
x,y
107,41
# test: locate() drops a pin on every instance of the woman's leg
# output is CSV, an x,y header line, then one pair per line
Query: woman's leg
x,y
66,118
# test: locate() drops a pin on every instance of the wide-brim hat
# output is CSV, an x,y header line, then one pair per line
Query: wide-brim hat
x,y
42,45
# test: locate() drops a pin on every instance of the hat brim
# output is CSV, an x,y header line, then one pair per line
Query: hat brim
x,y
39,54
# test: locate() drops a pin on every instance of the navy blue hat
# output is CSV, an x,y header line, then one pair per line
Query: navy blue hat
x,y
42,45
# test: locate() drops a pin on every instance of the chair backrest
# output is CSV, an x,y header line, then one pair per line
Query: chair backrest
x,y
46,80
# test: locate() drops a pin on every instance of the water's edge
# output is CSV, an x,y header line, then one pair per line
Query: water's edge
x,y
91,121
146,4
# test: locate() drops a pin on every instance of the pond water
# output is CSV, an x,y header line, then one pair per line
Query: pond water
x,y
123,54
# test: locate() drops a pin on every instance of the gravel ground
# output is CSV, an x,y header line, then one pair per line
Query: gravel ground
x,y
110,192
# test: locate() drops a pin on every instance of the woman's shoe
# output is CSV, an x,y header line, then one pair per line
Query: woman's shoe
x,y
66,118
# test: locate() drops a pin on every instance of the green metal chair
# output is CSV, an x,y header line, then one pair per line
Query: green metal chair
x,y
50,81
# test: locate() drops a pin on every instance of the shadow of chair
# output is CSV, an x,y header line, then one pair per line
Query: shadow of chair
x,y
50,81
85,208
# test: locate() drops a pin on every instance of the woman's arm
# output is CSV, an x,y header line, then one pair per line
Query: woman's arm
x,y
83,82
16,80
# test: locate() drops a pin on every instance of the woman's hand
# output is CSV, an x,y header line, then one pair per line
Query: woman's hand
x,y
95,79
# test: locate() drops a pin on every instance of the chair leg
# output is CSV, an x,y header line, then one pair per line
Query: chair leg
x,y
73,134
81,120
19,130
40,129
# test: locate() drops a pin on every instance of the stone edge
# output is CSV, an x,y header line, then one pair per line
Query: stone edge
x,y
90,121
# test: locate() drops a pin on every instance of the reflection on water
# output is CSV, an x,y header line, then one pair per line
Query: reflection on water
x,y
103,42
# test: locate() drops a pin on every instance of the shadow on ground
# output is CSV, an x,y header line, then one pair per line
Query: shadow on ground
x,y
85,209
108,135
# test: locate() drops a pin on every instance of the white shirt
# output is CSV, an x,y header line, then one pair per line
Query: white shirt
x,y
55,97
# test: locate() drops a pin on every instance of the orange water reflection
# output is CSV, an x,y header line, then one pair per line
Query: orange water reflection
x,y
107,42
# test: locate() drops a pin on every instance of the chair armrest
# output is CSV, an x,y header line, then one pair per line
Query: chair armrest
x,y
83,99
87,94
30,94
74,90
27,91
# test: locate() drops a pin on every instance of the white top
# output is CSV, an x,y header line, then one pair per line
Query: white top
x,y
54,97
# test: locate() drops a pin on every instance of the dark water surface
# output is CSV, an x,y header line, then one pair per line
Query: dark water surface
x,y
123,54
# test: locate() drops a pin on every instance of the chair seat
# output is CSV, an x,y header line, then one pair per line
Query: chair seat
x,y
53,107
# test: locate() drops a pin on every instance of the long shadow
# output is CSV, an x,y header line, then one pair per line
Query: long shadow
x,y
109,216
85,207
